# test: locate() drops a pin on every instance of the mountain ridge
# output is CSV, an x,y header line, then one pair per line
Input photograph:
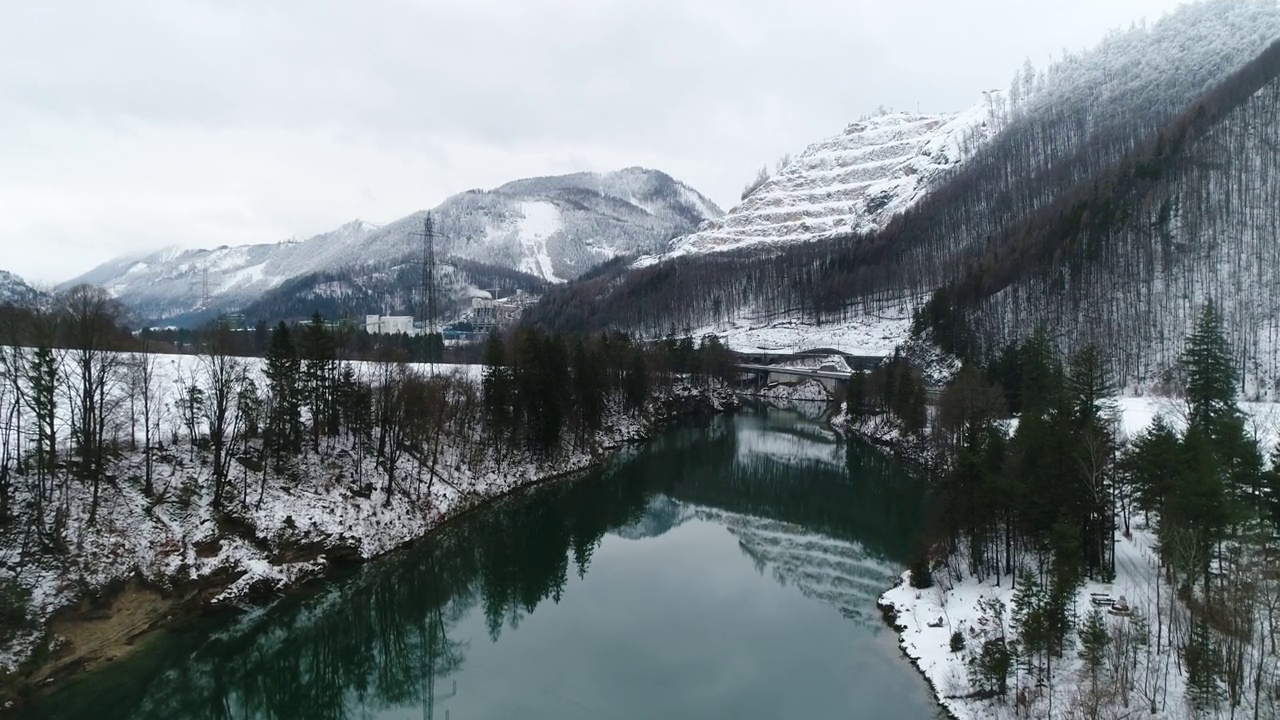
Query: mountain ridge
x,y
553,227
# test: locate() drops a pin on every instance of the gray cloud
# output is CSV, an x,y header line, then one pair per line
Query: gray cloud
x,y
136,124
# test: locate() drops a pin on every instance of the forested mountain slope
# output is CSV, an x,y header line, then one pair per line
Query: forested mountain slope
x,y
1126,259
550,227
1042,218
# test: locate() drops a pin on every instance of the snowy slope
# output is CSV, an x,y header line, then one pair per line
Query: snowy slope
x,y
174,281
538,222
850,183
15,291
553,227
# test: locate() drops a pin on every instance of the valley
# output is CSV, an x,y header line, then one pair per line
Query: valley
x,y
992,392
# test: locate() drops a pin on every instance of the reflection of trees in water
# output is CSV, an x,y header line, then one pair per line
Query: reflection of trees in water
x,y
385,637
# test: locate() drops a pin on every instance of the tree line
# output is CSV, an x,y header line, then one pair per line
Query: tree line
x,y
1041,505
80,395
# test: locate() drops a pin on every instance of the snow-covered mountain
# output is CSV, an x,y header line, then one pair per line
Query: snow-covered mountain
x,y
15,291
850,183
553,227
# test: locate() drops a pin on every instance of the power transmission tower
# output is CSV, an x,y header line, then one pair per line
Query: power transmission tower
x,y
427,307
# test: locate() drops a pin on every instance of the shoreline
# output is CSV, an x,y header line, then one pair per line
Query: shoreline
x,y
891,443
889,612
121,617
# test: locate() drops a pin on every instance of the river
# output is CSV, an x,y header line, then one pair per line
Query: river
x,y
727,569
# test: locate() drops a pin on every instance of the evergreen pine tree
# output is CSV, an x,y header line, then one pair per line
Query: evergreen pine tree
x,y
1094,642
1040,372
588,390
1211,378
1204,667
1088,384
1152,465
497,386
636,382
283,371
1199,509
1273,488
318,375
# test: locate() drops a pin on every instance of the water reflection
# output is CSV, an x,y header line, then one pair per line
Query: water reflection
x,y
810,513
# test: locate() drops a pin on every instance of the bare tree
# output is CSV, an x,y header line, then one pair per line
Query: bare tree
x,y
762,177
224,376
145,399
90,320
390,381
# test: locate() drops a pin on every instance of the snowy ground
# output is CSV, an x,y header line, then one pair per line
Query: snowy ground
x,y
540,221
871,333
1137,413
927,618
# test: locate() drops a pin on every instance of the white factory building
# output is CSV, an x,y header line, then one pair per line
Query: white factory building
x,y
389,324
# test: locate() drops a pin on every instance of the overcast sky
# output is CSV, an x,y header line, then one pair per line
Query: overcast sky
x,y
131,125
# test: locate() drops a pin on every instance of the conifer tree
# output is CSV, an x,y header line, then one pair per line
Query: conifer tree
x,y
1040,372
283,371
497,387
319,370
588,390
1088,384
1094,642
636,381
1273,488
1211,378
1215,414
42,399
1152,465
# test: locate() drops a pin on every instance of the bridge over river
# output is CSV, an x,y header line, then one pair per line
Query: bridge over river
x,y
775,368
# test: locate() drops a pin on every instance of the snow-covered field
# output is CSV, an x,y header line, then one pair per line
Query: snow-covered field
x,y
1137,413
539,222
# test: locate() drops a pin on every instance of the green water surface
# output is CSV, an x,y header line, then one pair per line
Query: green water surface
x,y
728,569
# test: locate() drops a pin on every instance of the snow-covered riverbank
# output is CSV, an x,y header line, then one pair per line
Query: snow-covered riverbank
x,y
927,618
274,530
1154,676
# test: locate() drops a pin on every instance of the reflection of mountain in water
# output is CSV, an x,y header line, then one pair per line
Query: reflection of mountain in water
x,y
661,515
840,573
